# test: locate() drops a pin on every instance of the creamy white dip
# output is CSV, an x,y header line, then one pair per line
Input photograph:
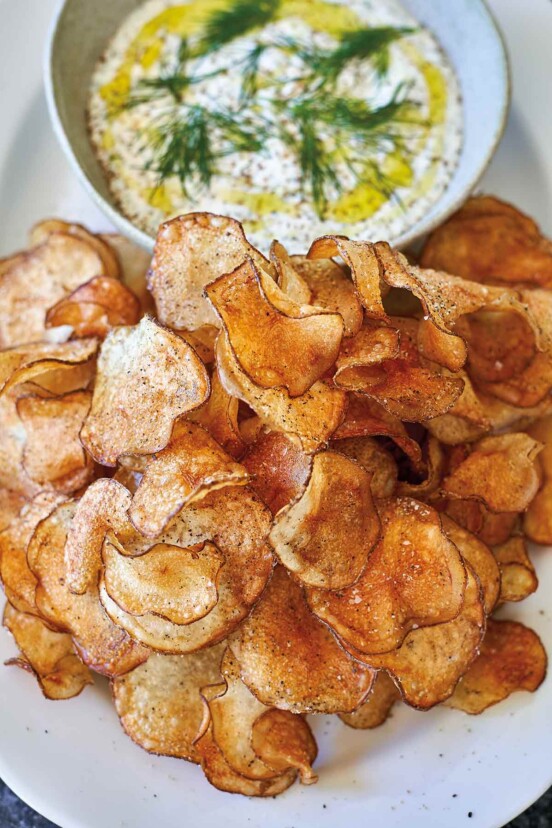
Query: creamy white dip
x,y
266,189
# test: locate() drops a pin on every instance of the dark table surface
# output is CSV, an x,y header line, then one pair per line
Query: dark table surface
x,y
14,814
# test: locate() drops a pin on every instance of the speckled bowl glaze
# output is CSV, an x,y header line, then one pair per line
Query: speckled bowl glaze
x,y
465,29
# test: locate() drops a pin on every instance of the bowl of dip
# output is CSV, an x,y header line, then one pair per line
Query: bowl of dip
x,y
369,118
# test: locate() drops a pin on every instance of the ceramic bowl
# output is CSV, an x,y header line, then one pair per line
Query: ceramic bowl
x,y
465,28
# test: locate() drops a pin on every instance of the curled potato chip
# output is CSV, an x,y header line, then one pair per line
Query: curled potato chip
x,y
326,536
288,278
183,264
490,241
102,646
480,558
312,417
537,521
34,281
374,459
377,707
147,377
512,658
518,578
500,471
219,416
371,346
331,288
191,466
278,469
414,577
430,661
282,344
237,523
289,659
282,740
53,454
44,362
95,307
43,230
49,655
491,528
435,462
174,583
17,579
134,262
159,703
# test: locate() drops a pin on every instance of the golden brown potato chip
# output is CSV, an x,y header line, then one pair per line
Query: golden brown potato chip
x,y
134,262
377,707
105,648
219,415
202,341
49,655
434,457
489,527
501,345
95,307
500,471
414,577
439,346
234,520
288,278
537,521
512,658
11,504
326,536
147,377
431,660
480,558
374,459
43,230
289,659
17,579
518,578
191,466
53,454
282,740
159,703
278,469
175,583
285,345
312,417
44,362
331,288
184,263
371,346
34,281
490,241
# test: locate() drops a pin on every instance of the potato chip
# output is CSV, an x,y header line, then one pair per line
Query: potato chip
x,y
500,471
173,583
184,263
374,459
237,523
43,362
289,659
326,536
435,462
490,241
49,655
414,577
285,345
53,454
43,230
219,416
11,504
159,703
134,262
312,417
147,377
95,307
278,469
282,740
512,658
17,579
491,528
202,341
191,466
537,521
103,647
37,280
288,278
371,346
518,578
480,558
377,707
331,288
431,660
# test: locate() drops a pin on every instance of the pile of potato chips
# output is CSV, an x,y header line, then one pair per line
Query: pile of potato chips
x,y
282,486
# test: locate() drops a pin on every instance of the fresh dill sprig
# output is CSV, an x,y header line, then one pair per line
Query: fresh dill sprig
x,y
227,24
182,147
250,74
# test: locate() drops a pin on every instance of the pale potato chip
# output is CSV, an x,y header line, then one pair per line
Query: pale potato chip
x,y
147,377
518,578
49,655
11,504
42,231
377,707
291,660
512,658
192,465
326,536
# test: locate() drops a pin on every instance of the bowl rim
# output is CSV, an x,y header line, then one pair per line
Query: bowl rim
x,y
417,231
